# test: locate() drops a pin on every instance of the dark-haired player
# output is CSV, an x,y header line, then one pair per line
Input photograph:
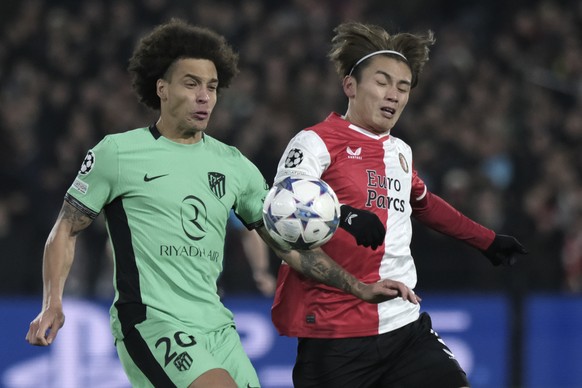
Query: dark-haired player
x,y
342,341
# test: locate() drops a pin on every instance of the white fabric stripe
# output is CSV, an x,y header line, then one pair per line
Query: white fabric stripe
x,y
368,133
397,262
423,194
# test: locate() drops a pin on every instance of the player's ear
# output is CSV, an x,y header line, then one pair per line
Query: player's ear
x,y
349,84
162,89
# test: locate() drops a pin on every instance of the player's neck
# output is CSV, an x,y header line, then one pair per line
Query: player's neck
x,y
177,134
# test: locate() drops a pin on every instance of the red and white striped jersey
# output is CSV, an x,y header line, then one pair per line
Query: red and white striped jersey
x,y
372,172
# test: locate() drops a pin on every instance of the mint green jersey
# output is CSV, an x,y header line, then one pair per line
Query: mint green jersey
x,y
166,206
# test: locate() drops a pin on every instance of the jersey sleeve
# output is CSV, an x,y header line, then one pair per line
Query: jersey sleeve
x,y
418,189
96,180
439,215
249,205
436,213
306,154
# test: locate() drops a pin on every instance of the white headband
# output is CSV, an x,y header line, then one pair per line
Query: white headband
x,y
376,53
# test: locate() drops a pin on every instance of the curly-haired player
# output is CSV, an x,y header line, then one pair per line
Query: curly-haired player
x,y
167,191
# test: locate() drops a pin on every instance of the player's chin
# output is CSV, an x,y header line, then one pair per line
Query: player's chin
x,y
197,126
383,125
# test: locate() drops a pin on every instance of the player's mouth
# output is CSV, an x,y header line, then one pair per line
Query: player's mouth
x,y
388,112
201,115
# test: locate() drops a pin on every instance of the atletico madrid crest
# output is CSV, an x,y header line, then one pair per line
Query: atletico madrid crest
x,y
217,182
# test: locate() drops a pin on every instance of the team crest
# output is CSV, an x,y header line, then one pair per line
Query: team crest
x,y
217,182
403,162
294,158
183,362
88,163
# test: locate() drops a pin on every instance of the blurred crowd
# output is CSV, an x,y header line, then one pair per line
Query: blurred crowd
x,y
495,123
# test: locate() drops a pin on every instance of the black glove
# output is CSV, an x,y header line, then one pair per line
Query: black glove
x,y
364,225
503,249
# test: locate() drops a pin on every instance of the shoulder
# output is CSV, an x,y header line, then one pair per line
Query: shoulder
x,y
127,138
323,132
401,144
330,135
332,125
131,135
221,148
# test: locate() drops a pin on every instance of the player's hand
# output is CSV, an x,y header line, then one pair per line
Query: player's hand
x,y
44,328
503,250
364,225
386,289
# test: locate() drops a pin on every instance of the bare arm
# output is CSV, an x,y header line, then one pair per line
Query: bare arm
x,y
58,258
317,265
257,254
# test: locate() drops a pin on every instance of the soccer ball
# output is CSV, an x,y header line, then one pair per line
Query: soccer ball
x,y
301,212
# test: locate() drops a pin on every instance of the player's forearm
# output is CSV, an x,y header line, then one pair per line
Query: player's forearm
x,y
317,265
57,261
256,252
439,215
59,252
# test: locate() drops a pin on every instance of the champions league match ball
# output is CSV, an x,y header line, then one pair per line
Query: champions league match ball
x,y
301,212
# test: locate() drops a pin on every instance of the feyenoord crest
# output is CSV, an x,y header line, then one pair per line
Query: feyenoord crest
x,y
217,182
403,162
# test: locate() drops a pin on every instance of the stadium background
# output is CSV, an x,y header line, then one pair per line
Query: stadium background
x,y
495,125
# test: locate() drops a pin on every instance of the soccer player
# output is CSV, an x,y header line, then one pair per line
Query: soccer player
x,y
166,191
344,342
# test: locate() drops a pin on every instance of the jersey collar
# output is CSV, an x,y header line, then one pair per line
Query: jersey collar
x,y
154,131
337,118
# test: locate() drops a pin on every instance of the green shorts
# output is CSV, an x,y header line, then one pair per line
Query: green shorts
x,y
162,353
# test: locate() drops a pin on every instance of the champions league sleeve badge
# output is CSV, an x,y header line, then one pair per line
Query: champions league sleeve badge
x,y
88,163
294,158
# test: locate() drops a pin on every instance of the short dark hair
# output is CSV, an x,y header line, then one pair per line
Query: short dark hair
x,y
354,40
169,42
